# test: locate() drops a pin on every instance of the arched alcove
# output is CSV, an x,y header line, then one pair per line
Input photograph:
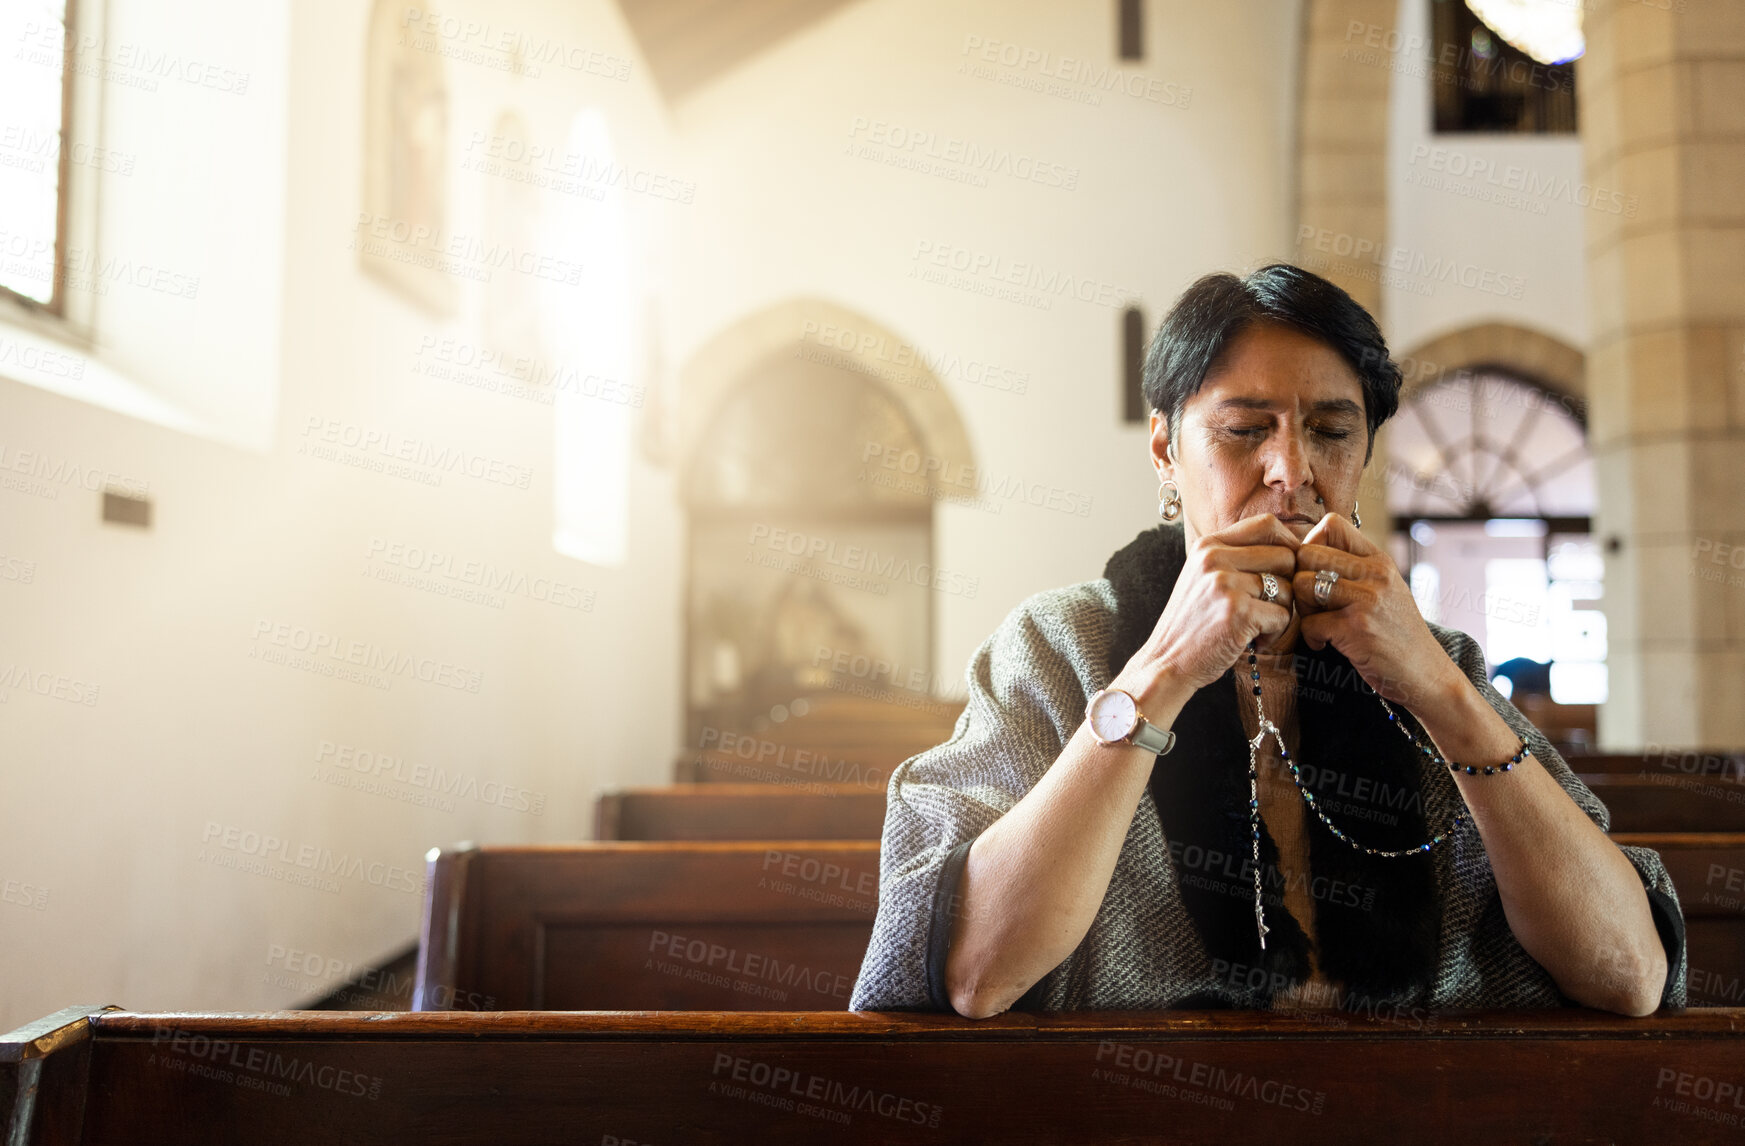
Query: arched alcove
x,y
814,446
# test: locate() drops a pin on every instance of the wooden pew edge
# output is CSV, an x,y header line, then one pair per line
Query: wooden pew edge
x,y
1567,1023
1680,839
731,789
64,1036
441,930
51,1033
720,846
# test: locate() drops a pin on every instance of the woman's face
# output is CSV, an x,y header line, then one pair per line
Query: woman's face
x,y
1277,427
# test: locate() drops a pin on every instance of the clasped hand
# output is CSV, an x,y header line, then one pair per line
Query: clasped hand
x,y
1218,607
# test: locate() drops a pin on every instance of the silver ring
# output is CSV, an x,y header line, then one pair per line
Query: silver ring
x,y
1325,579
1268,587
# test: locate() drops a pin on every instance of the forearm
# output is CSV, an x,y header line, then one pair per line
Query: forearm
x,y
1034,880
1572,898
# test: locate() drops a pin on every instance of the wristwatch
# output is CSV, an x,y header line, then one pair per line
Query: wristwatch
x,y
1115,718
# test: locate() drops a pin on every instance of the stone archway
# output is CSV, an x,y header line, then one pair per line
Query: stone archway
x,y
825,333
814,445
1537,357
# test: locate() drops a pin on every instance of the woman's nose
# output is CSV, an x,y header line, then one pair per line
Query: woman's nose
x,y
1287,461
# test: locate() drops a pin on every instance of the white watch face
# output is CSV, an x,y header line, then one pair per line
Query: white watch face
x,y
1113,715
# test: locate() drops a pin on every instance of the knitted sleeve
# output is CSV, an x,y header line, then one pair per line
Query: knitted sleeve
x,y
1027,686
1650,868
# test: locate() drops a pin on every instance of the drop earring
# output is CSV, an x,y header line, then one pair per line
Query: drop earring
x,y
1169,501
1356,518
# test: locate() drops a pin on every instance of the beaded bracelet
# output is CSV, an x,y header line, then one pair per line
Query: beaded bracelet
x,y
1436,757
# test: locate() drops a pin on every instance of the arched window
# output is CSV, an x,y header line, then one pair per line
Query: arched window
x,y
1491,478
590,318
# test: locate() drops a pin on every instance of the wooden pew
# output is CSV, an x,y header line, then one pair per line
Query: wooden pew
x,y
841,739
1661,762
1662,802
740,812
646,926
762,926
705,1077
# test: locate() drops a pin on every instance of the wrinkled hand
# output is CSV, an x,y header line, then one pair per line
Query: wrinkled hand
x,y
1370,616
1216,607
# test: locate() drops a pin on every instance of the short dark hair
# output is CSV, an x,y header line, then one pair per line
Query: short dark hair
x,y
1210,314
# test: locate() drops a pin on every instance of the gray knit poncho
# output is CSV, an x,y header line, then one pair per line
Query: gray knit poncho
x,y
1176,926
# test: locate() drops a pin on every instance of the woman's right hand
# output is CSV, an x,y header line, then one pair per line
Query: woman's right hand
x,y
1214,611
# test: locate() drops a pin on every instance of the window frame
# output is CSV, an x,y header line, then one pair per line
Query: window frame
x,y
68,316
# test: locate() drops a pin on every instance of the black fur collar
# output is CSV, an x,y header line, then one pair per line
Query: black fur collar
x,y
1378,921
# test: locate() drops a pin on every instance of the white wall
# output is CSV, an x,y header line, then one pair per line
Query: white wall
x,y
1507,211
1162,194
109,806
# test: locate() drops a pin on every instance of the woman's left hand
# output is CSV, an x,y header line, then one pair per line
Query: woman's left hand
x,y
1370,616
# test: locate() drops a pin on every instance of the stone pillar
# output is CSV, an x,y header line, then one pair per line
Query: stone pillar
x,y
1350,49
1663,123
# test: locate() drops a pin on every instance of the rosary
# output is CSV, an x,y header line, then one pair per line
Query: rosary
x,y
1267,727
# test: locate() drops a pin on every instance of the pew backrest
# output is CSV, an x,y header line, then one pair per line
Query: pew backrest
x,y
740,812
647,926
